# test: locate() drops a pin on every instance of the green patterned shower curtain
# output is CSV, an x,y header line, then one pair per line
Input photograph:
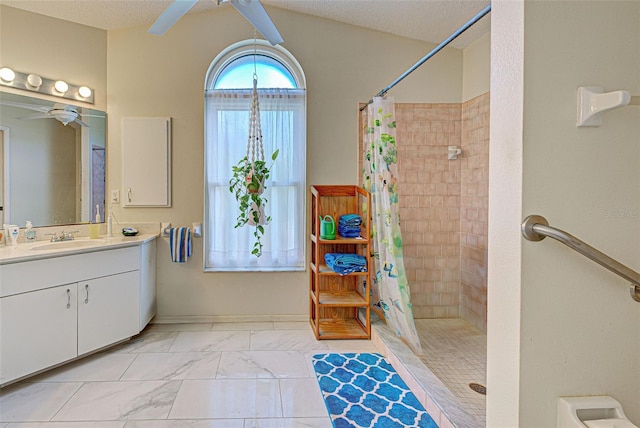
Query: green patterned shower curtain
x,y
390,290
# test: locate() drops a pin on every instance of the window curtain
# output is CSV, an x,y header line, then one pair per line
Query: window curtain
x,y
282,114
390,288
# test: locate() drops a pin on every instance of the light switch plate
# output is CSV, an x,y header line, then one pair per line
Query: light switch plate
x,y
115,196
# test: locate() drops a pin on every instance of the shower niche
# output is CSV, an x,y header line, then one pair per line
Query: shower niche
x,y
339,304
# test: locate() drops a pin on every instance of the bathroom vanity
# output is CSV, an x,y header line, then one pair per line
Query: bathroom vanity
x,y
60,301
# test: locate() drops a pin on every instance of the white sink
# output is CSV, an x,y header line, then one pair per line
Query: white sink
x,y
68,245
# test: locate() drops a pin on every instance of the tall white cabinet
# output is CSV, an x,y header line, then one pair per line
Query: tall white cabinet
x,y
146,161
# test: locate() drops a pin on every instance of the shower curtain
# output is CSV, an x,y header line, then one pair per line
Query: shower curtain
x,y
390,290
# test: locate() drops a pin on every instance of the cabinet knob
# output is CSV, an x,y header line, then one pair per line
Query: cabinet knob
x,y
68,298
86,288
129,194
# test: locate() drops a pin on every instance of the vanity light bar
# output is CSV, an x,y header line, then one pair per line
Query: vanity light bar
x,y
36,83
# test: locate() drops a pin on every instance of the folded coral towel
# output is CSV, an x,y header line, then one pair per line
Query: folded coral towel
x,y
180,244
345,263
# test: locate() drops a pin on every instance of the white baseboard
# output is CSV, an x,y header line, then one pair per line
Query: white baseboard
x,y
194,319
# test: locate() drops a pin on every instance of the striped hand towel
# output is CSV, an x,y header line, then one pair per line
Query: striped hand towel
x,y
180,244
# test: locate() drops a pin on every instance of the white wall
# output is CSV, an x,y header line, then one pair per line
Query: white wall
x,y
476,68
164,76
55,49
578,331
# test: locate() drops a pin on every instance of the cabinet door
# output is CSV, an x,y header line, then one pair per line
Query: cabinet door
x,y
38,330
108,310
146,161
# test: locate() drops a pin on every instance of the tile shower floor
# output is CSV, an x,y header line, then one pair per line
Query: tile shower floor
x,y
222,375
456,352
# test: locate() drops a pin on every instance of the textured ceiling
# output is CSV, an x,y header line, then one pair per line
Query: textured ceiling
x,y
426,20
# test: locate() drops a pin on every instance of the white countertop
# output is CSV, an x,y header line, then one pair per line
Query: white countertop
x,y
24,252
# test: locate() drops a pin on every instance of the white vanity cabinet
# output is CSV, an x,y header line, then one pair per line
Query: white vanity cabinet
x,y
108,310
56,309
38,330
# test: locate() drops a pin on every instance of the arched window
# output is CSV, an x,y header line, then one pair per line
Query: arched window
x,y
282,98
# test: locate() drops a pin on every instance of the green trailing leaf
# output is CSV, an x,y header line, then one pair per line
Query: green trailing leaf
x,y
248,193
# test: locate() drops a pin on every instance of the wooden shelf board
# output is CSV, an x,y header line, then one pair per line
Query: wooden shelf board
x,y
342,298
339,240
342,329
335,190
326,270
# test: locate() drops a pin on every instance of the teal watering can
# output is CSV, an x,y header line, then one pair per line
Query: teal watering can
x,y
327,227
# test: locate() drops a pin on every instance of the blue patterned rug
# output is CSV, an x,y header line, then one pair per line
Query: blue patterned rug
x,y
363,390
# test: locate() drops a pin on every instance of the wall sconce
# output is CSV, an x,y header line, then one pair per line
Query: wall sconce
x,y
61,86
85,92
43,85
7,74
34,80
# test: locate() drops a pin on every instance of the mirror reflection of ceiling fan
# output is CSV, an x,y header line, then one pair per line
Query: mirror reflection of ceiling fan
x,y
252,10
63,113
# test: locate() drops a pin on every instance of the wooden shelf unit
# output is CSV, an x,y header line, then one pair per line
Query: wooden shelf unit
x,y
339,306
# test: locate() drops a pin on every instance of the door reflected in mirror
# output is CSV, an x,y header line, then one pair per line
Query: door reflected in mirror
x,y
51,173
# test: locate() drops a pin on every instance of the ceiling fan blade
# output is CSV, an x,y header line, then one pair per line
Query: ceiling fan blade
x,y
36,116
255,13
43,109
65,107
170,16
81,123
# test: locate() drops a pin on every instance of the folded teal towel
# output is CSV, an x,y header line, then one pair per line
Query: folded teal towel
x,y
350,220
345,263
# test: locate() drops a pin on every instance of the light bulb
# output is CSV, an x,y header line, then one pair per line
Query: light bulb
x,y
84,92
34,80
61,86
7,74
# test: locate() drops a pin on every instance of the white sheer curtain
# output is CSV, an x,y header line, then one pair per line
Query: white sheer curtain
x,y
283,127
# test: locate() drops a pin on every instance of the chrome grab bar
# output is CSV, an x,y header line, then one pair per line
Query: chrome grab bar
x,y
536,228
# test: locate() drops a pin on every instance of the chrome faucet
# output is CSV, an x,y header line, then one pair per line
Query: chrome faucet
x,y
63,236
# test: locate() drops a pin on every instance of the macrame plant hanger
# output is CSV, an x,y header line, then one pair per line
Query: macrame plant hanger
x,y
255,152
255,149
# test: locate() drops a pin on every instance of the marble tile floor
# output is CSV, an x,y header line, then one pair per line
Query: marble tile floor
x,y
222,375
456,352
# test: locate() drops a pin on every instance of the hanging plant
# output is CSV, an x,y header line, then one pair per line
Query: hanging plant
x,y
249,178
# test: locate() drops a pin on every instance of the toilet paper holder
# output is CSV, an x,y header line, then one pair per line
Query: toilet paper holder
x,y
592,412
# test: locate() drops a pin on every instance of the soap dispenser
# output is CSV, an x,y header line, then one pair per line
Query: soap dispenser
x,y
30,233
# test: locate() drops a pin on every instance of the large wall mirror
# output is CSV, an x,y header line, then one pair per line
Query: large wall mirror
x,y
51,173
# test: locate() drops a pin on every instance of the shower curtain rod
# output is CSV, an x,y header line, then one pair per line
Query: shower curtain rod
x,y
437,49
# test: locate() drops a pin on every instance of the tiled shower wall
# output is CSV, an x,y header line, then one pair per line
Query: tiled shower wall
x,y
474,206
429,199
443,207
